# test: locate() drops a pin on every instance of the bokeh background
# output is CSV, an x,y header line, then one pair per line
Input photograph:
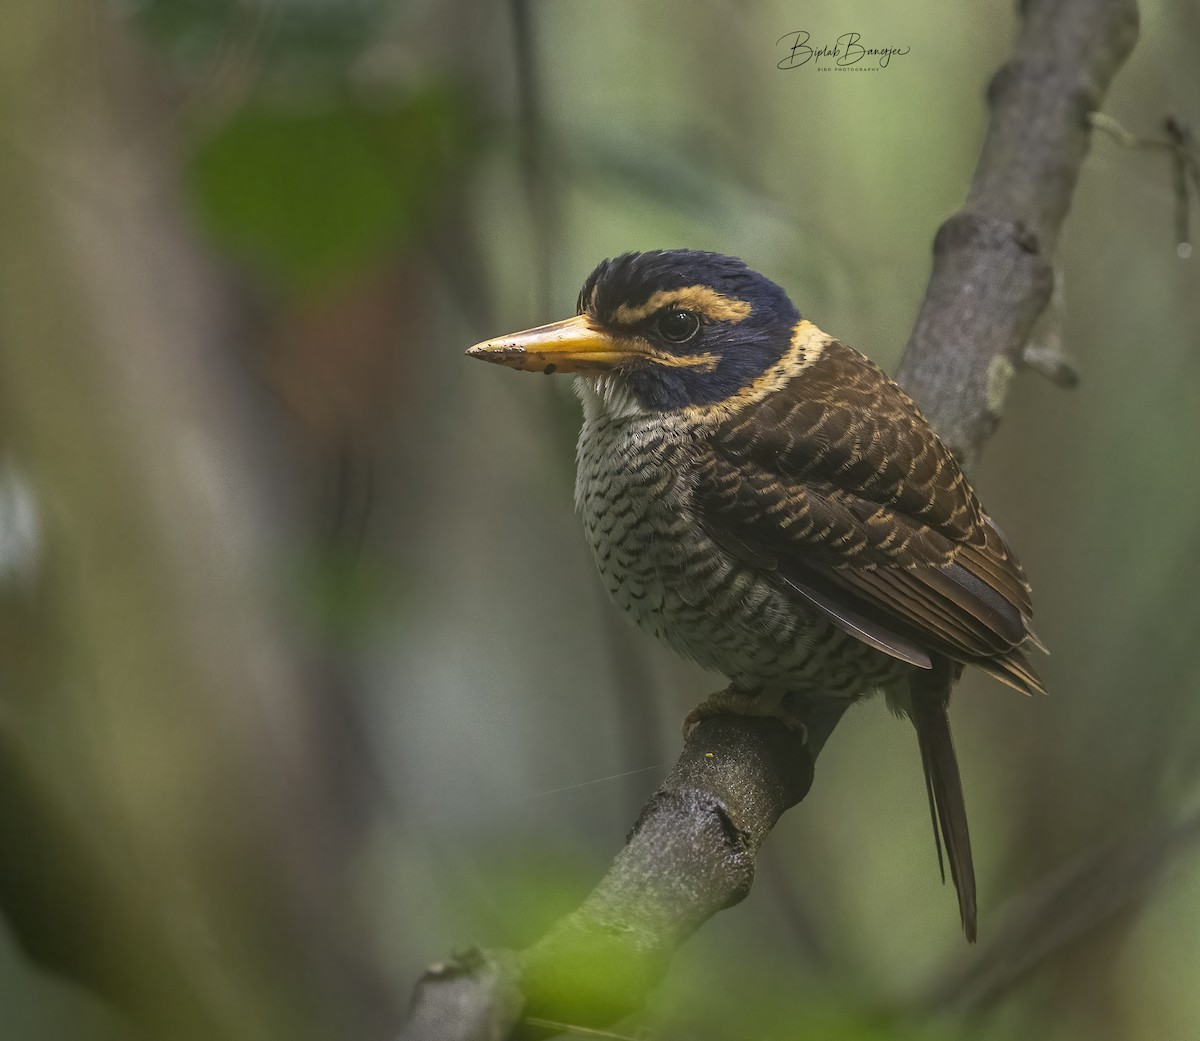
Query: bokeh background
x,y
305,676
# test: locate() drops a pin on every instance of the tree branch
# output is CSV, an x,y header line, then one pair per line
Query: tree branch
x,y
692,851
992,271
690,855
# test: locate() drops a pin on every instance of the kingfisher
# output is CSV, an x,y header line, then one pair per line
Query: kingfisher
x,y
765,500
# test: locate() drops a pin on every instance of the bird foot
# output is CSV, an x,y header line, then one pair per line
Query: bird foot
x,y
730,702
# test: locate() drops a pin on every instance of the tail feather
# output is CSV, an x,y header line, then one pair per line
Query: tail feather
x,y
1014,670
943,783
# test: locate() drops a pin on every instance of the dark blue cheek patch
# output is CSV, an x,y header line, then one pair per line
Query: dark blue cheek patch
x,y
744,354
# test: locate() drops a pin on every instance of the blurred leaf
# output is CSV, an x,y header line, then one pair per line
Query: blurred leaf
x,y
319,34
304,195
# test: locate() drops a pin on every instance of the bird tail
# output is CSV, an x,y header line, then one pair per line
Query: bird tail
x,y
943,783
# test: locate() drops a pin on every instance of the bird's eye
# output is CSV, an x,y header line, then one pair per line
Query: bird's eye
x,y
677,326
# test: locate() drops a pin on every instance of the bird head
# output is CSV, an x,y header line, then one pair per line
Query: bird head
x,y
668,329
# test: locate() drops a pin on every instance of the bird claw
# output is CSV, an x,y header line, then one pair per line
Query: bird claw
x,y
730,702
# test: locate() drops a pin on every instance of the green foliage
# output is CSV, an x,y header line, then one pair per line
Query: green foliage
x,y
301,196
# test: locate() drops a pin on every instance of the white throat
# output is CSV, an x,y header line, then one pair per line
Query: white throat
x,y
606,397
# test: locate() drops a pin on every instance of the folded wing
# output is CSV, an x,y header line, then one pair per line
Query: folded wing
x,y
836,488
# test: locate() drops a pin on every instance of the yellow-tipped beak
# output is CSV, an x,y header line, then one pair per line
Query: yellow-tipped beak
x,y
573,345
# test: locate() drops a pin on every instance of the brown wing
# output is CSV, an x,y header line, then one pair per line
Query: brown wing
x,y
837,486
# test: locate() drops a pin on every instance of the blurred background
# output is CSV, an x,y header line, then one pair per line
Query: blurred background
x,y
305,676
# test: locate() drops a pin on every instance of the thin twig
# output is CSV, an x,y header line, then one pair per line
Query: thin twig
x,y
1180,143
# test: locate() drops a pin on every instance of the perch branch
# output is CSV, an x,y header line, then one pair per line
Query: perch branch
x,y
692,851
